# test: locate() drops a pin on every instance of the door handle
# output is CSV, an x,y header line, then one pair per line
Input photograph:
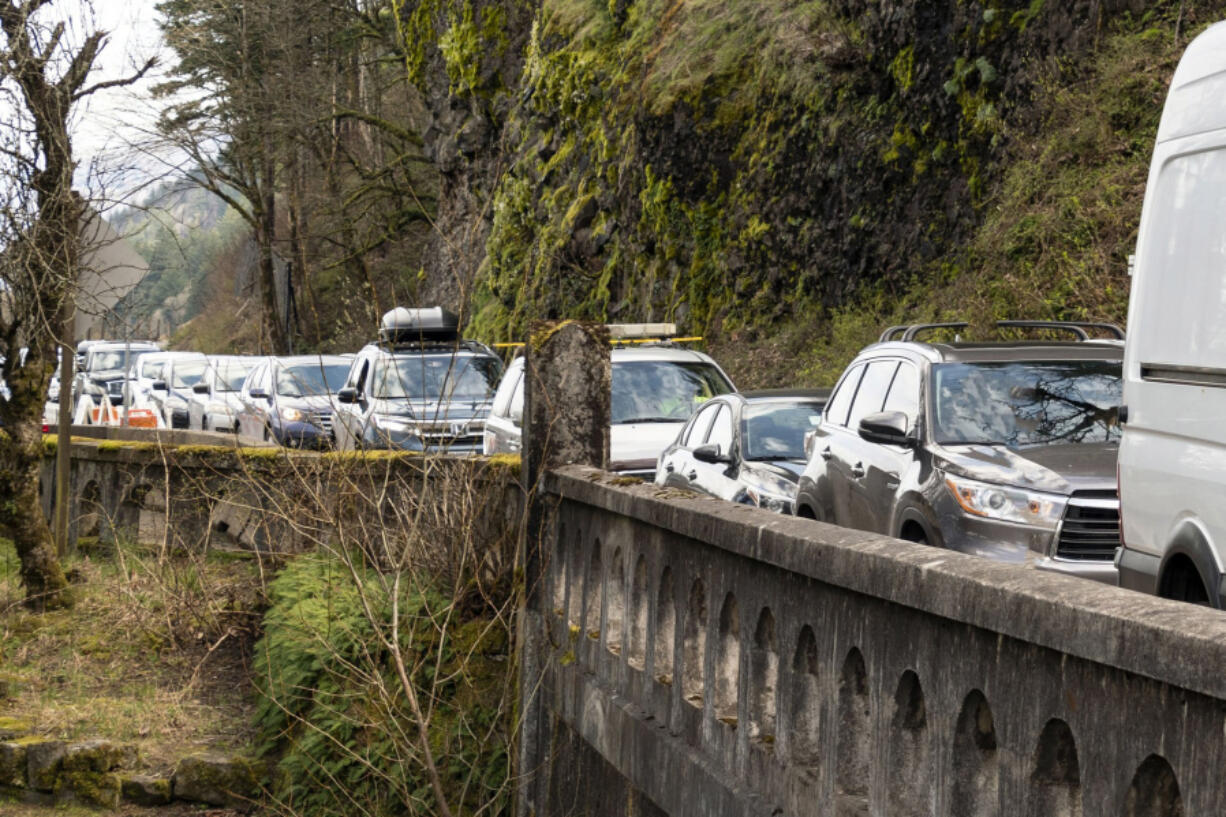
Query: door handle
x,y
857,470
827,454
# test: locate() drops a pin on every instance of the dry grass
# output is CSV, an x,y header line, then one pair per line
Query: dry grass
x,y
155,653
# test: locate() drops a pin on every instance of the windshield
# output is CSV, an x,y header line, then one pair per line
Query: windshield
x,y
108,360
152,369
187,373
310,379
776,431
655,391
1027,404
437,378
229,376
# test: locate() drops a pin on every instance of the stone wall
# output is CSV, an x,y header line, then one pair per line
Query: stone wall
x,y
277,500
706,658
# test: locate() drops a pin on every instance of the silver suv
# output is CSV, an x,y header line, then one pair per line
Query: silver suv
x,y
1005,449
655,389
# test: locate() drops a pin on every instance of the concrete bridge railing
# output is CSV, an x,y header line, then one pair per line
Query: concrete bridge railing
x,y
685,656
711,659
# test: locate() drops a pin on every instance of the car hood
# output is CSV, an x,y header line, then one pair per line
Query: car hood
x,y
1061,469
783,470
315,402
638,445
229,399
432,410
106,375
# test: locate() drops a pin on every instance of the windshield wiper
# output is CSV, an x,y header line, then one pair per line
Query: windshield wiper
x,y
650,420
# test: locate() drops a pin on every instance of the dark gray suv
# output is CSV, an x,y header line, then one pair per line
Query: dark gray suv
x,y
1000,449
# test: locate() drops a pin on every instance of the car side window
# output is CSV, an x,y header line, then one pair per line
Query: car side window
x,y
870,397
904,392
840,401
721,430
357,375
699,426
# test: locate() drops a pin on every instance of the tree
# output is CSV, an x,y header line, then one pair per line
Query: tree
x,y
222,116
43,76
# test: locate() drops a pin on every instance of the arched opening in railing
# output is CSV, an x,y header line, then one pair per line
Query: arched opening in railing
x,y
694,645
805,743
975,790
728,662
909,771
1055,781
637,654
593,592
666,628
615,601
1154,791
763,681
573,553
853,749
90,512
556,570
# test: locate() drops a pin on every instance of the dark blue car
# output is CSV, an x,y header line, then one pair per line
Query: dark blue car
x,y
289,400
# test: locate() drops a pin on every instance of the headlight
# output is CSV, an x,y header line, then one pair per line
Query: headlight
x,y
1007,504
772,498
292,415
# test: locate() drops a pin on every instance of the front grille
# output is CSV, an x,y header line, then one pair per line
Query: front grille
x,y
323,419
1090,531
115,388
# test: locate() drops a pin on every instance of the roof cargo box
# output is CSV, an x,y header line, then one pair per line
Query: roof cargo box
x,y
434,324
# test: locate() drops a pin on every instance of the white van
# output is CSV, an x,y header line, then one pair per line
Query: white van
x,y
1172,467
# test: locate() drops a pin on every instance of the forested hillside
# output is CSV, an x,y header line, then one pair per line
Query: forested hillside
x,y
783,176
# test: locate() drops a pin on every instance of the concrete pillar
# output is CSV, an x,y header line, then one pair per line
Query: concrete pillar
x,y
566,397
566,422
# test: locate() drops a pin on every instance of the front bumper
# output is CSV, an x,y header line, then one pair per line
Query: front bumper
x,y
1098,571
303,435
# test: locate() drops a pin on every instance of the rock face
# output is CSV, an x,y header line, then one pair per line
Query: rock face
x,y
43,762
728,164
217,781
12,765
89,788
143,790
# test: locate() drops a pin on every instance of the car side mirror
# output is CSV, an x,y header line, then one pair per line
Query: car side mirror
x,y
887,428
810,439
347,395
201,388
710,453
259,394
159,385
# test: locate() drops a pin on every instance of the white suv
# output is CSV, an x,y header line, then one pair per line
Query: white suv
x,y
655,390
1172,465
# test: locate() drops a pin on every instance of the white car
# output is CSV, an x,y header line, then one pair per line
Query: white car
x,y
655,389
147,370
1172,462
214,404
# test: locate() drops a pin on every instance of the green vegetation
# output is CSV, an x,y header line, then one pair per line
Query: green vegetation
x,y
334,713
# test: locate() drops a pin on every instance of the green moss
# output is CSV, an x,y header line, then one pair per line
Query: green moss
x,y
204,451
99,789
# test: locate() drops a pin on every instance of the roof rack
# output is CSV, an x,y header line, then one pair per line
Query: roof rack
x,y
1077,328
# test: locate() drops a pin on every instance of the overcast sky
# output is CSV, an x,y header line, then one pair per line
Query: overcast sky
x,y
109,123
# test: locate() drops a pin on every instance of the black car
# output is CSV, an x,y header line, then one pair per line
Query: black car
x,y
1003,449
746,448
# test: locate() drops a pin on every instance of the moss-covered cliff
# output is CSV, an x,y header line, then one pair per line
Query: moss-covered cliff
x,y
786,175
